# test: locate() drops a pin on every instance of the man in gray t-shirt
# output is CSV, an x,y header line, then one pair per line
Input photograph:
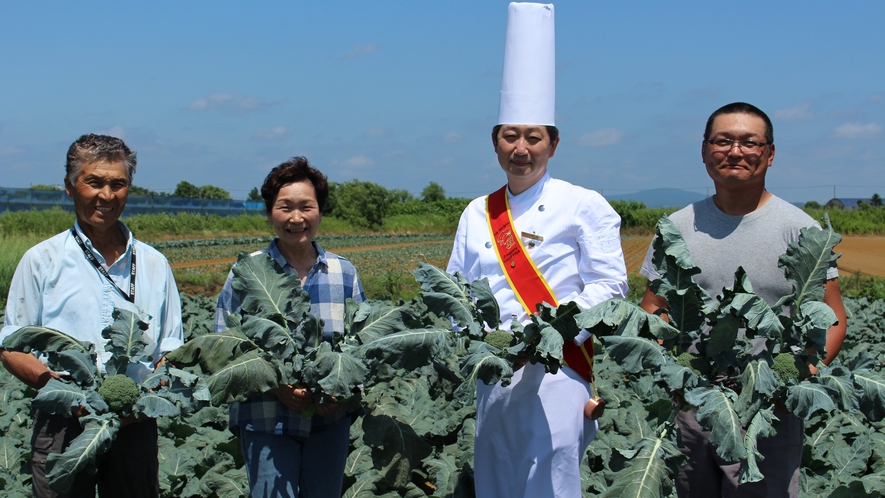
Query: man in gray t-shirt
x,y
742,225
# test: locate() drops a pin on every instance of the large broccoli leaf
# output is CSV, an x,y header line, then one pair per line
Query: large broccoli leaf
x,y
212,351
760,426
716,414
58,398
80,365
446,295
252,373
45,340
99,432
397,450
672,261
652,460
271,335
481,363
266,290
806,263
408,349
336,373
126,341
373,321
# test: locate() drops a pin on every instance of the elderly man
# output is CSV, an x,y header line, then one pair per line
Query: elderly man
x,y
72,282
564,239
742,225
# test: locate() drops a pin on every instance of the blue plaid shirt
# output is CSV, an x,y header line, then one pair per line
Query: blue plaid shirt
x,y
330,282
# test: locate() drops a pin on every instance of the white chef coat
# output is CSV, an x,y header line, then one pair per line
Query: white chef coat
x,y
532,434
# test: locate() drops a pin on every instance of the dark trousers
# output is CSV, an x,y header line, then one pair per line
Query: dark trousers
x,y
707,475
129,469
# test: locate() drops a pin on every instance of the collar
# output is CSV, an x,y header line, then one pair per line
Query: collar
x,y
126,233
531,194
277,256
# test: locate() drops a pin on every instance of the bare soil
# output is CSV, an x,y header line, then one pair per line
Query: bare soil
x,y
864,254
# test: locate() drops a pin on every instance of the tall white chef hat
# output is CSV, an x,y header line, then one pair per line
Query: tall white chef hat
x,y
528,88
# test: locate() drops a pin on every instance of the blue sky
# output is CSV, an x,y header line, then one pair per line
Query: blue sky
x,y
404,93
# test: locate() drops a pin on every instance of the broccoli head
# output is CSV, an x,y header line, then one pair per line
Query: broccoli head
x,y
119,392
786,367
500,339
697,364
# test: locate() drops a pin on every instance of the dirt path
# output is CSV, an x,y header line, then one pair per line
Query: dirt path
x,y
340,250
863,254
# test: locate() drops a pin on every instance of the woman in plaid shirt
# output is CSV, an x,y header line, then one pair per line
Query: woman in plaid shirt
x,y
287,454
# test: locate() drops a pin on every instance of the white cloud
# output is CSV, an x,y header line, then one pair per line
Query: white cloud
x,y
857,130
359,161
796,113
360,50
376,131
10,150
453,137
876,97
445,160
601,138
272,134
115,131
225,102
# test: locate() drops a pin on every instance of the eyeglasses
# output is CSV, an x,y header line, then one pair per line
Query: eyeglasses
x,y
725,144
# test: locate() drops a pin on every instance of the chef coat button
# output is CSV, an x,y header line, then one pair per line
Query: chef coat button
x,y
541,207
488,245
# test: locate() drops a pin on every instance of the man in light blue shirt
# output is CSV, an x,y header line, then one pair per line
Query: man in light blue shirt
x,y
72,282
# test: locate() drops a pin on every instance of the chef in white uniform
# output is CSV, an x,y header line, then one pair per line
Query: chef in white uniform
x,y
532,434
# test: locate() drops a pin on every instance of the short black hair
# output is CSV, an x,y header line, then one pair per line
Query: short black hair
x,y
551,130
92,148
297,169
741,108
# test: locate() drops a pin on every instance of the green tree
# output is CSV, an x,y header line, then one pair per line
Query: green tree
x,y
186,189
433,192
254,195
401,195
812,205
213,192
136,190
364,204
876,200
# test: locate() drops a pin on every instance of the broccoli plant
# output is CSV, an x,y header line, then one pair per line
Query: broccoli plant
x,y
708,354
486,352
107,395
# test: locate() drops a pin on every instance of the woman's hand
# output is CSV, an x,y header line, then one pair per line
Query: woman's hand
x,y
329,408
293,398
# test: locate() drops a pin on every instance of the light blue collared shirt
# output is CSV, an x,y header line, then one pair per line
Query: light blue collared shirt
x,y
55,286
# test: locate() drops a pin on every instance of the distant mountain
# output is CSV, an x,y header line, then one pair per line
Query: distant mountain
x,y
660,197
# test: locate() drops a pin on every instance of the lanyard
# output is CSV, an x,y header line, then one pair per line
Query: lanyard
x,y
92,259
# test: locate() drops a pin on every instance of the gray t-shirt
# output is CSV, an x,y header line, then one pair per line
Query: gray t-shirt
x,y
719,243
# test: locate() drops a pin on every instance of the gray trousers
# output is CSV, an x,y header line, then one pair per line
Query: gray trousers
x,y
128,469
707,475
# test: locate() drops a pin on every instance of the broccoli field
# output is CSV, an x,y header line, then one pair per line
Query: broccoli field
x,y
416,438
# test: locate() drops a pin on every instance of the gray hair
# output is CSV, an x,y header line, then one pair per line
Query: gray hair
x,y
91,148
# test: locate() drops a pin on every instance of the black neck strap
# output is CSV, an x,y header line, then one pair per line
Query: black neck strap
x,y
92,259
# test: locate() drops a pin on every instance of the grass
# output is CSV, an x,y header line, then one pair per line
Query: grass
x,y
14,248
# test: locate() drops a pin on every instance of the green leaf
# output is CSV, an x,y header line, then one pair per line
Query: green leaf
x,y
45,340
126,341
716,414
397,449
759,385
635,354
486,304
760,426
80,365
99,432
837,379
376,321
155,405
806,263
648,469
850,463
408,349
58,398
252,373
446,295
336,373
481,363
212,351
873,399
806,398
271,336
265,290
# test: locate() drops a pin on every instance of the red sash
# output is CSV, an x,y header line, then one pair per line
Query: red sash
x,y
525,279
